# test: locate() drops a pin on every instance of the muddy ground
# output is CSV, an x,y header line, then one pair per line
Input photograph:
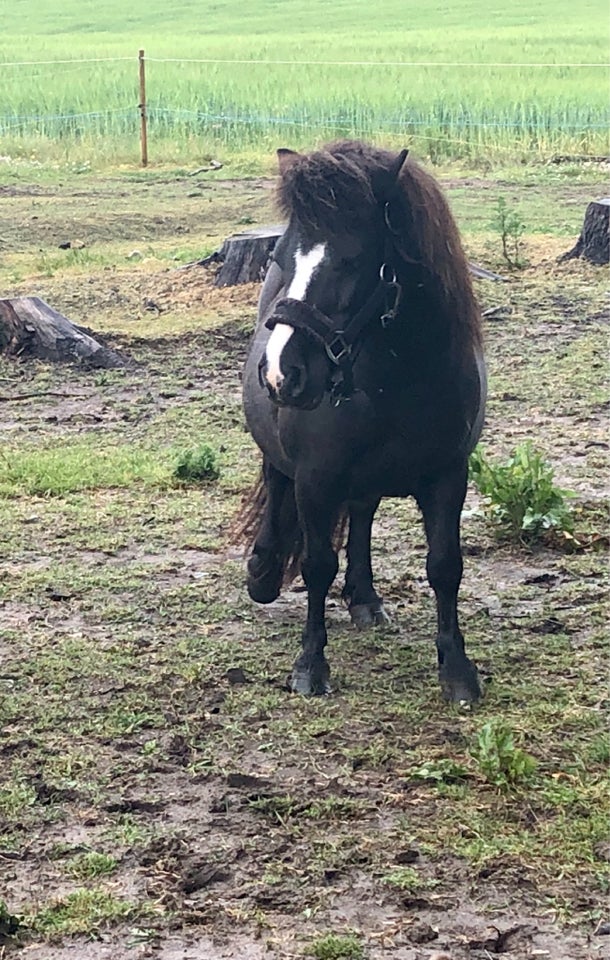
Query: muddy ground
x,y
161,793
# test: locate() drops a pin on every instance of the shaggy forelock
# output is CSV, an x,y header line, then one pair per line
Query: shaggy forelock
x,y
331,187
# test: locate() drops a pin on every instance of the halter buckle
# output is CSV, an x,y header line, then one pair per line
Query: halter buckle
x,y
336,348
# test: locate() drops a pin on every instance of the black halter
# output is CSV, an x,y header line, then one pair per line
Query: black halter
x,y
382,306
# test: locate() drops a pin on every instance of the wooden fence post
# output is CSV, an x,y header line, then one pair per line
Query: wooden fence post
x,y
142,107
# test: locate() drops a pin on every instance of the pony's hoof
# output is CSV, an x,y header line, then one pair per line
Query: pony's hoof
x,y
460,684
264,583
261,591
311,680
365,615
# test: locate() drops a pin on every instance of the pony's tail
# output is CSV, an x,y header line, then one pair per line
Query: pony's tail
x,y
247,524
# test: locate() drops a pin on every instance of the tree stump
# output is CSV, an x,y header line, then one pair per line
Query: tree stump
x,y
594,241
245,256
30,327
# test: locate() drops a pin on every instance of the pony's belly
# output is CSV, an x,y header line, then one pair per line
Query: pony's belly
x,y
395,469
383,480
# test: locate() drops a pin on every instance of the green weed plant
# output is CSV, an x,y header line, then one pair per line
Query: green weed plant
x,y
508,223
520,495
441,770
197,466
499,759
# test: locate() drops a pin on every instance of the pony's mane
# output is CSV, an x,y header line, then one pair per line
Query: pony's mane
x,y
342,186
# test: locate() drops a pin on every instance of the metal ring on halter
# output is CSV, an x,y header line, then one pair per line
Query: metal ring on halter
x,y
382,273
387,220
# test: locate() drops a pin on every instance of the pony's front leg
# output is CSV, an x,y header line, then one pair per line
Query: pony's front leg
x,y
311,673
441,503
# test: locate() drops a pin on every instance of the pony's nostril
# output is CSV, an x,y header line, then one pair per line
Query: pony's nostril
x,y
295,381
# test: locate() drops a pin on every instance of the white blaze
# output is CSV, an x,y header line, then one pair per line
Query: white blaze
x,y
305,265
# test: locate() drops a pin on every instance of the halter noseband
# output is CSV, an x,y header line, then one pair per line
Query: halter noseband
x,y
382,305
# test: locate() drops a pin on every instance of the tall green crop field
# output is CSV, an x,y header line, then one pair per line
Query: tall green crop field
x,y
454,79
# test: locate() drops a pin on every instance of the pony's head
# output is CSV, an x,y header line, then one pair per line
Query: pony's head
x,y
332,257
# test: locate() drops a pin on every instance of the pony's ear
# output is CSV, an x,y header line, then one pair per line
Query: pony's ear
x,y
385,178
286,159
397,164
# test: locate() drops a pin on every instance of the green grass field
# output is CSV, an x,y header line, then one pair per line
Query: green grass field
x,y
454,102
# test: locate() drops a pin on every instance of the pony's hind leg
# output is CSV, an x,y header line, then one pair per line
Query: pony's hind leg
x,y
364,603
275,537
441,503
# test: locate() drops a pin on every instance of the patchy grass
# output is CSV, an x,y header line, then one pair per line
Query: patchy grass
x,y
81,465
336,947
88,866
84,911
150,753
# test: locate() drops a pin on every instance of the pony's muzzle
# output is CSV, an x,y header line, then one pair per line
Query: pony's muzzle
x,y
289,388
264,381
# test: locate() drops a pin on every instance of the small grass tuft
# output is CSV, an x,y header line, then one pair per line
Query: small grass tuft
x,y
199,465
334,947
87,866
84,911
500,761
324,808
15,798
408,879
521,497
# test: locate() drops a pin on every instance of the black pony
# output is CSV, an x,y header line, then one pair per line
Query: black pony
x,y
365,379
